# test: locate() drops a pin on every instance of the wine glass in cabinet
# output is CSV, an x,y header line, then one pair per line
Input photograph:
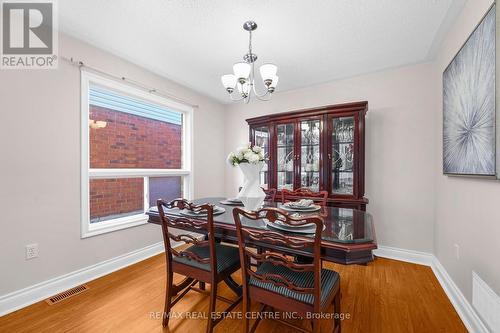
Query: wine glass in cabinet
x,y
310,148
286,156
260,136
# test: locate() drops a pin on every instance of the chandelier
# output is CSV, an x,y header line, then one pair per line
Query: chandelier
x,y
244,75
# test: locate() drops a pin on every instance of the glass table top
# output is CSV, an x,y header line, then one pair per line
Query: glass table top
x,y
342,225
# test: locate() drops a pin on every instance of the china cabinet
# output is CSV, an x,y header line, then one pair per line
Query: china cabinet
x,y
319,149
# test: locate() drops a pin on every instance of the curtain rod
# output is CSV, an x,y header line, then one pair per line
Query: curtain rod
x,y
149,89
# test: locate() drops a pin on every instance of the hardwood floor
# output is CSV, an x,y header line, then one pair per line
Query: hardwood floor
x,y
384,296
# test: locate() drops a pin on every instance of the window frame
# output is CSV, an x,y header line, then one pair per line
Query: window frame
x,y
186,172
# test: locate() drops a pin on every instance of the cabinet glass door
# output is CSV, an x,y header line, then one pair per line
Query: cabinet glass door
x,y
261,137
285,156
310,154
342,155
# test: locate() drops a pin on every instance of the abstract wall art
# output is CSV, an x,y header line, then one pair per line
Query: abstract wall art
x,y
469,105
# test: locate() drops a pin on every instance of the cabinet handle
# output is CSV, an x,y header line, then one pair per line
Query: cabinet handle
x,y
329,156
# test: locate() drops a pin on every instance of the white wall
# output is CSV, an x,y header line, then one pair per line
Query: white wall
x,y
400,151
40,167
467,209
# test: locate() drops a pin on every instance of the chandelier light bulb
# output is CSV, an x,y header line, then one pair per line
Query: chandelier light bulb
x,y
229,82
268,72
242,71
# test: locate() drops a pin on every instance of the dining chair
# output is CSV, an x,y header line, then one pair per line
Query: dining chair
x,y
270,193
304,193
277,280
205,261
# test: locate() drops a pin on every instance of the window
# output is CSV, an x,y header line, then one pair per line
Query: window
x,y
136,148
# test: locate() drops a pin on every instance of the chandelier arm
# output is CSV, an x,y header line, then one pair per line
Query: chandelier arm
x,y
252,80
235,99
260,97
265,93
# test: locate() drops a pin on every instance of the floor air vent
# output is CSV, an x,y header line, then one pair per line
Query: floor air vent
x,y
66,294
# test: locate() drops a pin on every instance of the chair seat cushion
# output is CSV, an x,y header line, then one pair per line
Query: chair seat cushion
x,y
329,279
227,256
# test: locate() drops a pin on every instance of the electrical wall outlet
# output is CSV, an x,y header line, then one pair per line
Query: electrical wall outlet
x,y
457,251
31,251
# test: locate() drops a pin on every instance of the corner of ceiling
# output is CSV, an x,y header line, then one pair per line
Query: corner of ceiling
x,y
451,15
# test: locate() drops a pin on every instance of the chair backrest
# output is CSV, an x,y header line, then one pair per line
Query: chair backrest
x,y
185,223
270,194
304,193
271,241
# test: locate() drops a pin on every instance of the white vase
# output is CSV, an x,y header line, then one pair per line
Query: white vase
x,y
251,193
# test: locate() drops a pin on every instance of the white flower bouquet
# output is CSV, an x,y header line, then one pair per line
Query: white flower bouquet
x,y
246,154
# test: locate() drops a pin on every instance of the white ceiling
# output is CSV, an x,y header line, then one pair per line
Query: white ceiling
x,y
193,42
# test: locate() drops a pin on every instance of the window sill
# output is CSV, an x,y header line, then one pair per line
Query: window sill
x,y
94,229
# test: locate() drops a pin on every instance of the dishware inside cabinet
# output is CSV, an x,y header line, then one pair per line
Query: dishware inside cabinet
x,y
286,155
342,155
261,137
310,154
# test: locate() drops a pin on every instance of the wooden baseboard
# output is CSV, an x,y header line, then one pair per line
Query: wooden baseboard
x,y
415,257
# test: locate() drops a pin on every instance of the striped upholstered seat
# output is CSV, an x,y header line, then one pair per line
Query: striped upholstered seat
x,y
227,256
303,279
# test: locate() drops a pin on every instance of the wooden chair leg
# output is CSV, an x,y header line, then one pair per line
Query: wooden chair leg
x,y
245,309
315,325
168,299
211,308
336,307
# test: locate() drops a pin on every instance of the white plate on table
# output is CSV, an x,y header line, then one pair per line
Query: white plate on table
x,y
217,211
309,228
312,208
294,227
232,202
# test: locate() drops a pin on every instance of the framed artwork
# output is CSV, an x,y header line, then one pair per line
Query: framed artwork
x,y
469,105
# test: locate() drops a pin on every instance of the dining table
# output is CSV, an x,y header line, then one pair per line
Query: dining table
x,y
348,236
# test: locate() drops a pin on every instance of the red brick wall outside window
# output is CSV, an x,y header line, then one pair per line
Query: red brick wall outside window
x,y
132,142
